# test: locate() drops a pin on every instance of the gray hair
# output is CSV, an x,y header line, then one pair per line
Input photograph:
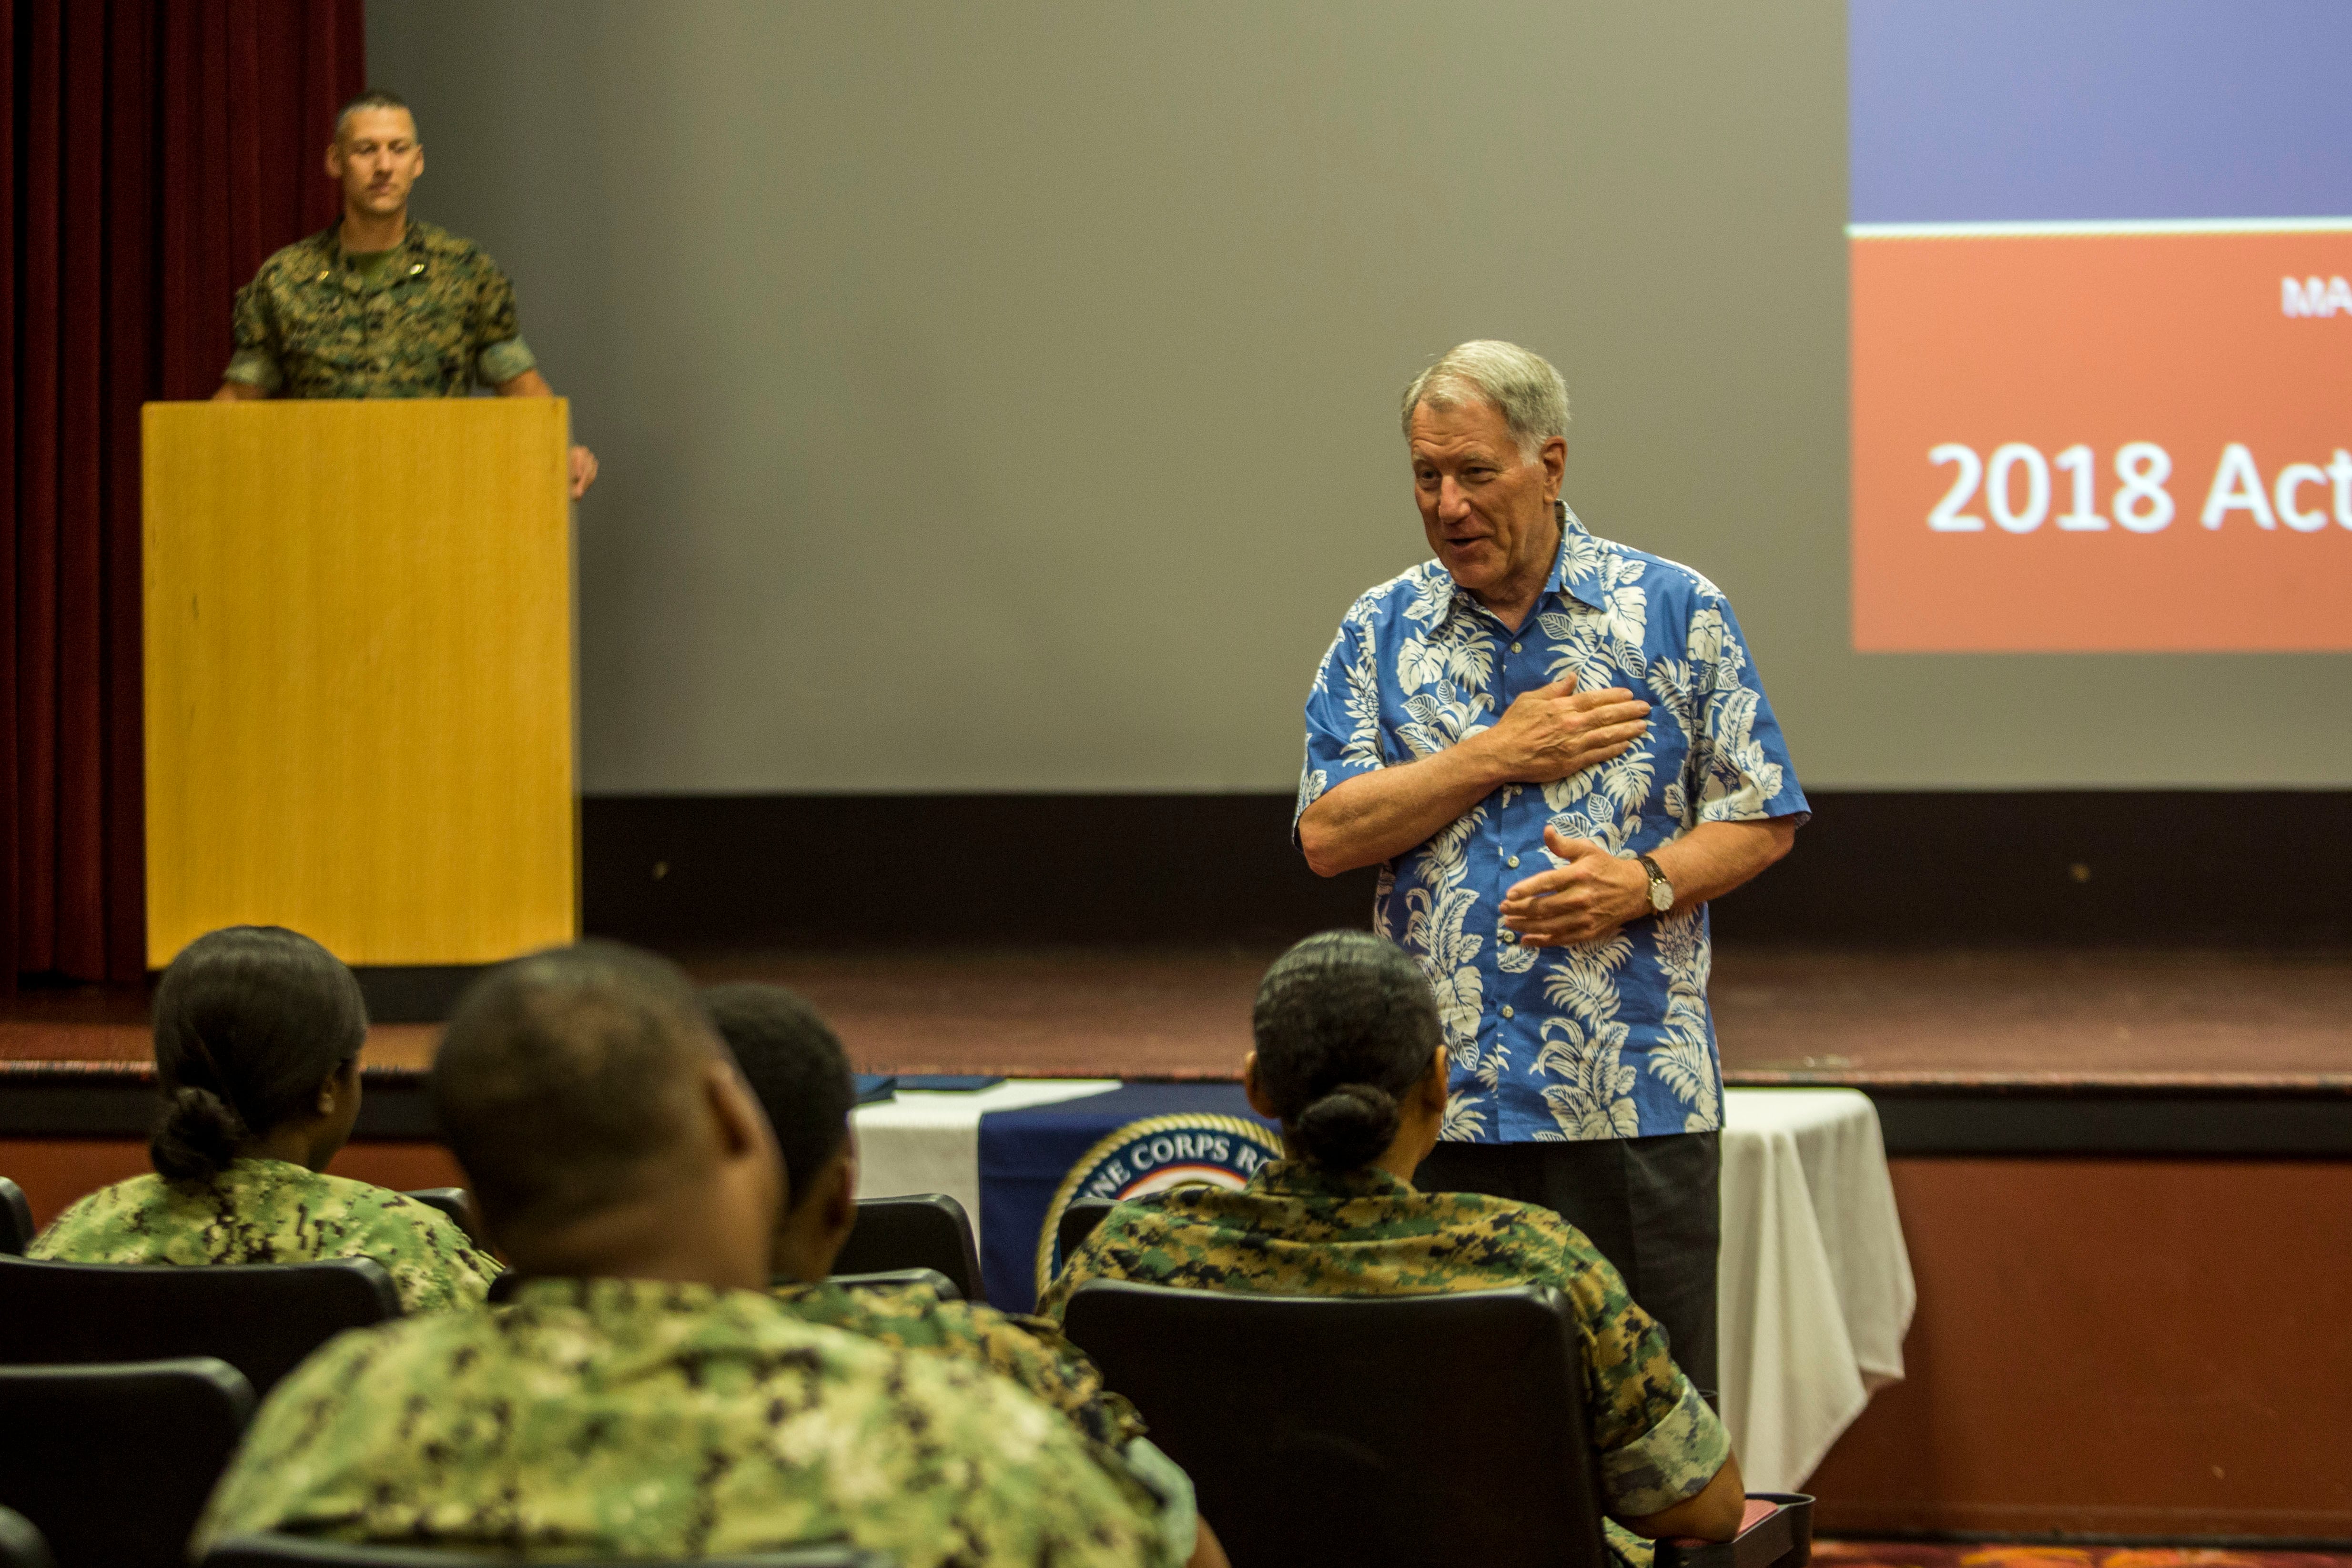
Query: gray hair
x,y
1525,386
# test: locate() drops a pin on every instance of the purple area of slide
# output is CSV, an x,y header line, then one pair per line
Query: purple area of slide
x,y
2035,111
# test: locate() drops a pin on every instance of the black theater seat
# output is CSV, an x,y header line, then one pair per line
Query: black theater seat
x,y
16,1219
261,1318
113,1462
1382,1430
929,1230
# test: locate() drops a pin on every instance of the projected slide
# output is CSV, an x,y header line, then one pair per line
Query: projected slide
x,y
2102,326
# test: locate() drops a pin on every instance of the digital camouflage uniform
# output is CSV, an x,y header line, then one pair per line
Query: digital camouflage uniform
x,y
434,320
268,1211
1030,1350
637,1418
1300,1230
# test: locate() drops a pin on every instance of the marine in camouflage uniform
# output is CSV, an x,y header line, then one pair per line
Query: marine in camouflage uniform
x,y
641,1418
431,317
1300,1228
271,1211
1029,1350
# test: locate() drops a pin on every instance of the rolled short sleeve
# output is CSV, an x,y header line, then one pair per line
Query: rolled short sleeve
x,y
1741,771
500,354
1343,715
255,363
1654,1437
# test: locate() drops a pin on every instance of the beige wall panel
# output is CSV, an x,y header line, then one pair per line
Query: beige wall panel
x,y
359,675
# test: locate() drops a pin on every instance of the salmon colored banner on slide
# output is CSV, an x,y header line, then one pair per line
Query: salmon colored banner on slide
x,y
2121,442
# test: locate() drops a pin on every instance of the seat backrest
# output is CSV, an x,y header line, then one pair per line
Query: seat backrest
x,y
21,1545
939,1282
929,1230
114,1463
16,1219
1078,1222
261,1318
451,1201
1365,1430
303,1551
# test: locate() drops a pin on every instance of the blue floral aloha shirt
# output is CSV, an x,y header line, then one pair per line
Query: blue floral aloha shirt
x,y
1608,1040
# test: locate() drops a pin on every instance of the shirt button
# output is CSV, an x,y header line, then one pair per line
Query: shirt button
x,y
1515,647
1513,863
1506,1012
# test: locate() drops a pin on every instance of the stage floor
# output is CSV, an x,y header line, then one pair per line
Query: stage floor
x,y
2137,1019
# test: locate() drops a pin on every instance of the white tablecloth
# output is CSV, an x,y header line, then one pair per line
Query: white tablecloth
x,y
1815,1292
925,1141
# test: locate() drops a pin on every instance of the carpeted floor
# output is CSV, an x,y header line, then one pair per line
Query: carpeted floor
x,y
1964,1554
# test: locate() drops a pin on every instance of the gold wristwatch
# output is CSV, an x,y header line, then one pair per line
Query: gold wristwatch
x,y
1662,892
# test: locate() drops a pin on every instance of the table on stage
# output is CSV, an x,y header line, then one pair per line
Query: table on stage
x,y
1816,1288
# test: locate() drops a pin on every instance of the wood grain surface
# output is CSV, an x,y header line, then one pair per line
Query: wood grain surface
x,y
359,666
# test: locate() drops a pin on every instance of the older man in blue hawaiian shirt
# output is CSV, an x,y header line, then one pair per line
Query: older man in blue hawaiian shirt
x,y
1557,750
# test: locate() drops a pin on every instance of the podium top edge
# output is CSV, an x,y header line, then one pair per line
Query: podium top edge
x,y
159,405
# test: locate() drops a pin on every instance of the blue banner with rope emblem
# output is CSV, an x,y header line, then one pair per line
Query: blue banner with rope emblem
x,y
1127,1142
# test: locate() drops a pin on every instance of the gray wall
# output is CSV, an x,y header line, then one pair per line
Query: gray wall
x,y
1000,397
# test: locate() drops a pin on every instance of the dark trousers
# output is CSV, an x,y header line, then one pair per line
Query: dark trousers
x,y
1651,1206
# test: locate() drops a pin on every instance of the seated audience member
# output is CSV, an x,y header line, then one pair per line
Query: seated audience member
x,y
258,1036
641,1394
796,1067
1350,1062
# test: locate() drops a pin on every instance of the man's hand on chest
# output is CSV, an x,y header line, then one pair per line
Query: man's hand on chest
x,y
1554,731
1585,900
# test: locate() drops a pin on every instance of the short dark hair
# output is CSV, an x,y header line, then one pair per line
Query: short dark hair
x,y
797,1068
565,1076
249,1021
1345,1024
374,98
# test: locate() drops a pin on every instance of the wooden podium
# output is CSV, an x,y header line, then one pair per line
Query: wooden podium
x,y
359,662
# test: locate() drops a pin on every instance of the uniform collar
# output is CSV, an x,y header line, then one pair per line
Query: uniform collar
x,y
1573,574
1305,1179
329,253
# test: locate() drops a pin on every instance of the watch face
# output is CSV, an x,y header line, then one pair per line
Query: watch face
x,y
1662,897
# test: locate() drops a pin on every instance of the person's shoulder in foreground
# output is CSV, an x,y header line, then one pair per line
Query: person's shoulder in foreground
x,y
649,1418
643,1395
795,1065
1350,1062
258,1032
1031,1351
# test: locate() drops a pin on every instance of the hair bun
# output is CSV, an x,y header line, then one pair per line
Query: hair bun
x,y
197,1137
1347,1127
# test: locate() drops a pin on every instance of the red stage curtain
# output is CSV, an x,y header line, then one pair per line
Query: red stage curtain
x,y
152,153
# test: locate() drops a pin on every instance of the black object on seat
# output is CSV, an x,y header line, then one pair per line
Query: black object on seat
x,y
889,1278
926,1231
451,1201
1367,1430
114,1463
300,1552
261,1318
21,1545
1776,1532
1078,1222
16,1219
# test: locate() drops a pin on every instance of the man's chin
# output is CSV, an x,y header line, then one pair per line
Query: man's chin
x,y
1474,572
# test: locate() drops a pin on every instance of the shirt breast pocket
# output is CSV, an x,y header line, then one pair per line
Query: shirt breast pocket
x,y
433,337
